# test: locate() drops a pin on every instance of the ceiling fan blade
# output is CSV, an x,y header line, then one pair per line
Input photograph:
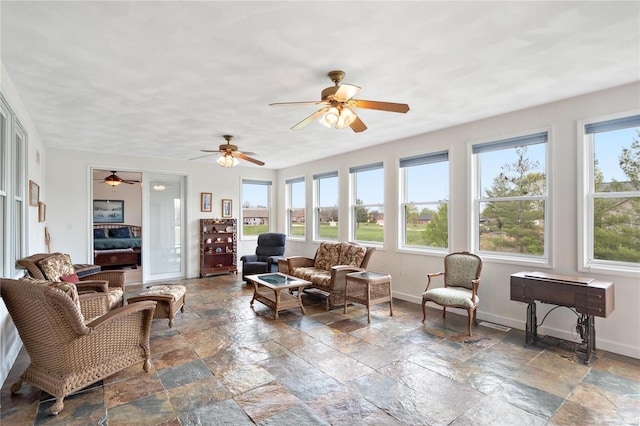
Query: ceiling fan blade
x,y
296,103
244,157
309,119
381,106
202,156
345,92
358,126
210,150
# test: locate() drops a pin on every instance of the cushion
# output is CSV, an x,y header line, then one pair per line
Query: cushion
x,y
451,296
71,278
327,255
68,288
99,233
53,267
123,232
175,291
352,254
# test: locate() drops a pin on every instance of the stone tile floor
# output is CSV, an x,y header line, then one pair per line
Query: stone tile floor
x,y
226,363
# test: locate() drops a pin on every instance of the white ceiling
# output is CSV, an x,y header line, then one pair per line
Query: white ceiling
x,y
166,79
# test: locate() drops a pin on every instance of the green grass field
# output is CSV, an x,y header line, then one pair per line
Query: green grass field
x,y
364,232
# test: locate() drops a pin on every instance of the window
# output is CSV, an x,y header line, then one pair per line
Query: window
x,y
612,193
13,209
326,206
367,203
296,207
255,207
511,199
425,201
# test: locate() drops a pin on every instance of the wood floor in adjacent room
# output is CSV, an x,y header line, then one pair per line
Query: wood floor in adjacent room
x,y
225,362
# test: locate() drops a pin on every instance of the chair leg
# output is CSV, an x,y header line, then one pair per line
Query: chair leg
x,y
471,313
444,312
58,406
475,317
16,386
424,312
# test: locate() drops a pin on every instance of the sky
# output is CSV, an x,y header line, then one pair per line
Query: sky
x,y
433,178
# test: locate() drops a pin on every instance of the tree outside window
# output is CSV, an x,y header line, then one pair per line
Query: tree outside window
x,y
614,199
511,208
425,202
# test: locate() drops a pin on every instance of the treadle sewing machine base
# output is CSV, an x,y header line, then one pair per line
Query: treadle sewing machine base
x,y
585,328
587,297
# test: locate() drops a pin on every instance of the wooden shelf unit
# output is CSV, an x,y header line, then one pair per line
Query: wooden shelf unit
x,y
218,246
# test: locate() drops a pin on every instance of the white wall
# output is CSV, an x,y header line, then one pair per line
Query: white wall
x,y
409,270
69,211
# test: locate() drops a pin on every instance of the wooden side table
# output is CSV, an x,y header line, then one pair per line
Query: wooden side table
x,y
368,288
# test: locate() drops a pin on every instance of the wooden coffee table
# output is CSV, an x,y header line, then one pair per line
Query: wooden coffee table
x,y
267,289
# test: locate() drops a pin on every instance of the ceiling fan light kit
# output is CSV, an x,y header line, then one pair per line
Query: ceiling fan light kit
x,y
339,103
114,180
228,154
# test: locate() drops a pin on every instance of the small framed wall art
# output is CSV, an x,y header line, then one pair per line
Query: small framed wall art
x,y
226,208
42,211
205,201
34,193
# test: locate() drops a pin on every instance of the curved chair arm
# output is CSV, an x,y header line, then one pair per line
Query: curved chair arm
x,y
93,285
430,276
339,274
249,258
474,283
273,260
122,312
299,261
93,305
115,278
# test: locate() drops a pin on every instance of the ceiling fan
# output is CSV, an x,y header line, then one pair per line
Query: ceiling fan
x,y
114,180
338,106
229,154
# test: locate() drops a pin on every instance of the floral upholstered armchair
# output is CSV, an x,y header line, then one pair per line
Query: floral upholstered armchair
x,y
461,280
58,267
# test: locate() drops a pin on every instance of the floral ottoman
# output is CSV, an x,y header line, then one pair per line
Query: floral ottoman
x,y
169,298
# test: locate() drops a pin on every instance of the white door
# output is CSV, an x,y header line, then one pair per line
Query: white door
x,y
163,236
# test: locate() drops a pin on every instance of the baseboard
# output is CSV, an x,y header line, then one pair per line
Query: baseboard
x,y
9,358
518,324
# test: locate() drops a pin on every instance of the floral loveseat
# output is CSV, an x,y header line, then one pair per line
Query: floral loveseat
x,y
328,270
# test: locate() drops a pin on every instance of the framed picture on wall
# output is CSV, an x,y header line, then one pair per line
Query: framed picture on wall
x,y
34,193
205,201
42,211
108,211
226,208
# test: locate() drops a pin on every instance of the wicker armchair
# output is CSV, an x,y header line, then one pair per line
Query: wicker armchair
x,y
66,354
51,266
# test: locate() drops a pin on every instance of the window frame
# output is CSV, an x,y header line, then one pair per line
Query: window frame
x,y
13,177
403,165
317,182
509,142
353,178
587,195
289,209
251,181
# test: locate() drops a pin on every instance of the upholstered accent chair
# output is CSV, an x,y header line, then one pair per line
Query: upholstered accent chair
x,y
66,353
461,280
58,267
271,246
